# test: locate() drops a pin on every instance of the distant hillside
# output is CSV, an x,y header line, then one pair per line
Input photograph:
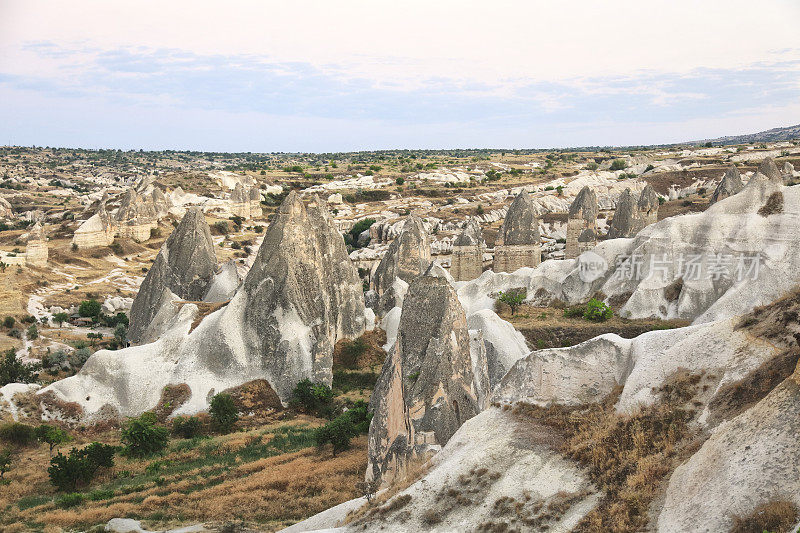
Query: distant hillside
x,y
775,134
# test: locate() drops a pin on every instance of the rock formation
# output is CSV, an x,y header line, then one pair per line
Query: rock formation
x,y
36,247
408,256
466,261
183,270
623,223
136,216
97,230
5,209
426,389
582,222
769,169
246,201
518,243
788,172
646,209
299,298
731,184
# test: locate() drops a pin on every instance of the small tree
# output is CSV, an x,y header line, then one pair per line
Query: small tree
x,y
619,164
120,332
142,437
68,472
52,436
223,412
337,432
9,322
33,332
60,318
313,398
513,298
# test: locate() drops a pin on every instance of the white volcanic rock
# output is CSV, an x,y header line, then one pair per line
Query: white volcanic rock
x,y
301,296
641,269
183,270
750,460
486,460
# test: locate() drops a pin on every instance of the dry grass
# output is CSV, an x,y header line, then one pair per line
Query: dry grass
x,y
775,517
627,456
272,476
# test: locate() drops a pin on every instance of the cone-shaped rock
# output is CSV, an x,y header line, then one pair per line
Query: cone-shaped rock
x,y
622,225
730,184
183,270
426,389
770,170
582,217
518,243
408,256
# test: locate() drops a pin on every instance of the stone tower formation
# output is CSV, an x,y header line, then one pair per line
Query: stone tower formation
x,y
36,247
582,223
632,215
466,262
246,202
519,242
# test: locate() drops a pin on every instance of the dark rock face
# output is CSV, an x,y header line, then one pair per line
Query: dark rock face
x,y
521,226
622,225
183,270
427,388
648,200
770,170
466,261
731,184
301,296
408,257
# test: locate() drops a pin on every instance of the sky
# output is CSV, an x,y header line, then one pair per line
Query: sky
x,y
346,75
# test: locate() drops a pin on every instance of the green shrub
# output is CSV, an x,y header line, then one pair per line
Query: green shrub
x,y
597,311
619,164
223,411
100,494
89,308
351,351
513,298
33,332
313,398
186,427
142,437
72,499
79,357
574,312
68,472
344,427
400,180
5,462
12,370
18,434
9,322
592,166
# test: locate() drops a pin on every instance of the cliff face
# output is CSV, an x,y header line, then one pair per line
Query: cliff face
x,y
183,270
427,388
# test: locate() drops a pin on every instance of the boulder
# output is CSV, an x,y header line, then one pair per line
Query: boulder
x,y
182,270
426,388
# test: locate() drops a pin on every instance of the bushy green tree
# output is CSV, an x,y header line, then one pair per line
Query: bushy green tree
x,y
9,322
89,308
339,431
597,311
13,370
142,437
60,318
313,398
513,298
223,411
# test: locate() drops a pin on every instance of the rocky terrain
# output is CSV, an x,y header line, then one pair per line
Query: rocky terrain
x,y
571,340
